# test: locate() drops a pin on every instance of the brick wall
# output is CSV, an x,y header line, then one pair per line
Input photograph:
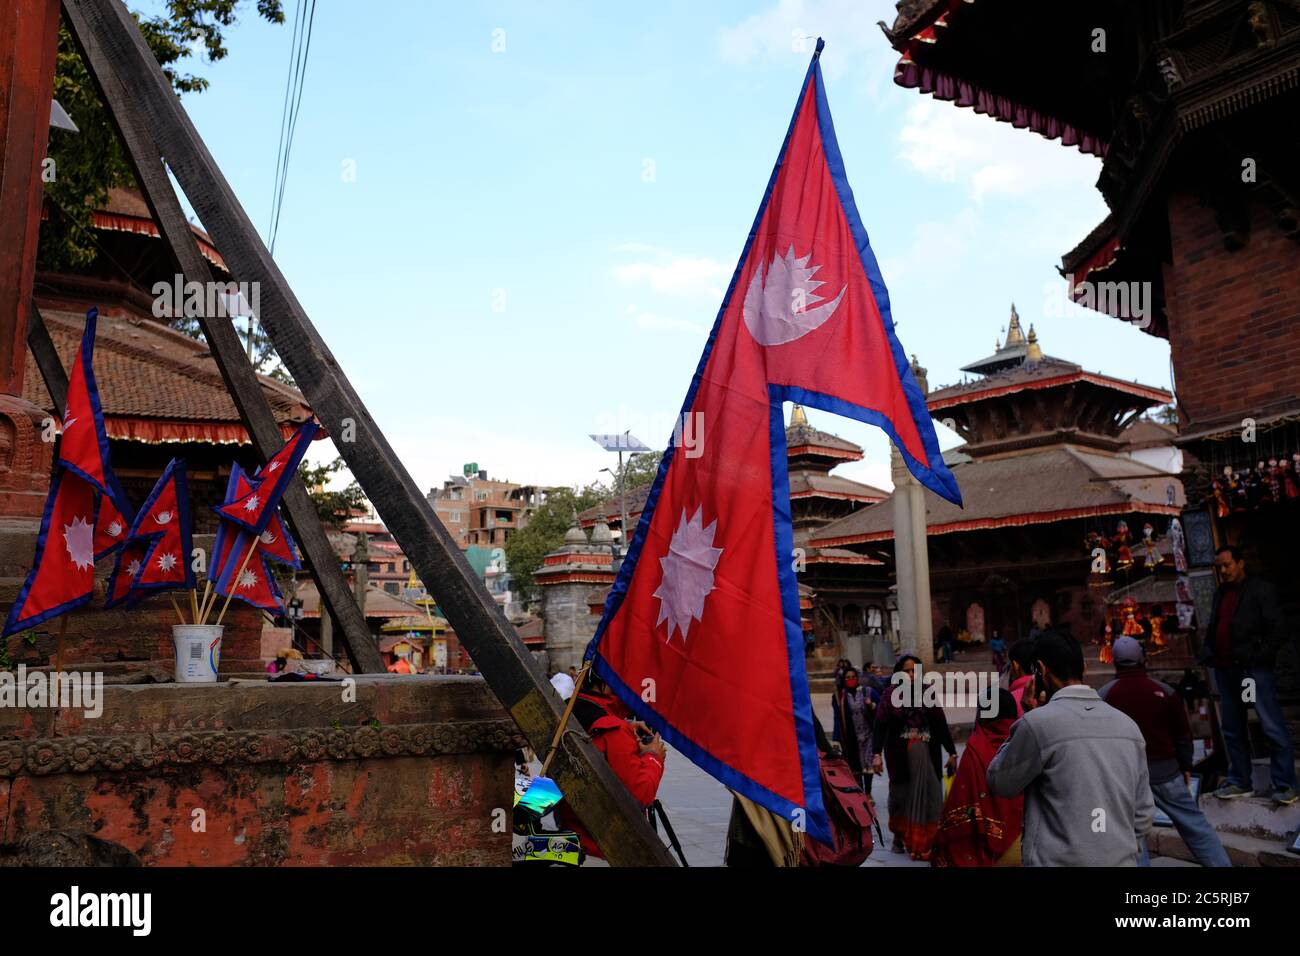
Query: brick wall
x,y
1234,317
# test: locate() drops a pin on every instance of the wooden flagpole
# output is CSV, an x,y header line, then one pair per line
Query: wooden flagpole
x,y
234,582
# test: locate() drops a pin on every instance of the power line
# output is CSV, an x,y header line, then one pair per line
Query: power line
x,y
294,85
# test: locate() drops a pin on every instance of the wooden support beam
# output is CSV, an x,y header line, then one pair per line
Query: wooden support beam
x,y
236,371
47,358
106,29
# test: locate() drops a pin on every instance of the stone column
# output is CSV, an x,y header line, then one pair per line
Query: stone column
x,y
912,561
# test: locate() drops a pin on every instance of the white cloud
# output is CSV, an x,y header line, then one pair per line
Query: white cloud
x,y
694,277
789,30
932,242
957,145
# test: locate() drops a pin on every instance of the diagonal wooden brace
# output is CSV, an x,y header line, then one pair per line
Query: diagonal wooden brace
x,y
118,54
236,371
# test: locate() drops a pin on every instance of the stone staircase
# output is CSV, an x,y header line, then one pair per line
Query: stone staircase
x,y
1253,830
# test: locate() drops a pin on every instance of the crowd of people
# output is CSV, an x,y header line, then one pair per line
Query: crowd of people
x,y
1057,774
1061,774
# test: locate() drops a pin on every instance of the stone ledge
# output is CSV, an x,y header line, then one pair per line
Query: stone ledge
x,y
154,751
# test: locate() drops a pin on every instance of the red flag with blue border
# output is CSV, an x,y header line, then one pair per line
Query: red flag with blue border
x,y
164,520
255,510
83,443
63,570
701,634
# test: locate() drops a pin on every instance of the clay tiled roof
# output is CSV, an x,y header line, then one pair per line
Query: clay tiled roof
x,y
1048,373
156,384
799,436
1144,433
809,484
1051,485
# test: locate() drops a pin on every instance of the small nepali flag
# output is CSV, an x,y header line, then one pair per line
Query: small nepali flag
x,y
274,542
164,521
250,581
125,569
706,605
111,527
236,488
63,572
255,510
83,445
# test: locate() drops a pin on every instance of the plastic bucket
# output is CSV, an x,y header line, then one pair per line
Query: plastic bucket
x,y
198,652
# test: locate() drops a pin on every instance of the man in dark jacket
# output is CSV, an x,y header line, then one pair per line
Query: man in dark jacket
x,y
1161,716
1245,632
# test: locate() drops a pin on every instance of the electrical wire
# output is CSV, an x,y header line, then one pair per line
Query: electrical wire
x,y
294,86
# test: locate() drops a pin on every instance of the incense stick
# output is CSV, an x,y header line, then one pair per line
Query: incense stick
x,y
203,602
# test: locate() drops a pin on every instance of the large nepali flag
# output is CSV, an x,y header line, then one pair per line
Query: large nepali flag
x,y
700,635
63,571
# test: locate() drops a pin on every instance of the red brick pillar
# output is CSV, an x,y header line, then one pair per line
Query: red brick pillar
x,y
28,46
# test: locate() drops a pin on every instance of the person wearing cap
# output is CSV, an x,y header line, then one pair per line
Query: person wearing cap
x,y
1159,713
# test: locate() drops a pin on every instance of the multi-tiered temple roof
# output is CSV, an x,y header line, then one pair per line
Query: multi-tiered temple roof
x,y
1045,442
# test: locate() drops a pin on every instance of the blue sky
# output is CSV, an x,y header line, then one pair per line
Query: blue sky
x,y
538,237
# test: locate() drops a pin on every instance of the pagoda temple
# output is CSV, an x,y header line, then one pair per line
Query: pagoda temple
x,y
1191,106
1046,462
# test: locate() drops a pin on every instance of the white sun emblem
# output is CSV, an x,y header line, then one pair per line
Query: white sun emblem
x,y
252,503
785,305
79,537
166,561
114,528
133,568
164,517
688,573
248,579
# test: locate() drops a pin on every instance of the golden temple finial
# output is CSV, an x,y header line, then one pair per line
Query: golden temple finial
x,y
1014,334
797,416
1034,353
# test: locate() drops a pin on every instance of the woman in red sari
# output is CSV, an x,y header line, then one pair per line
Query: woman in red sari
x,y
977,828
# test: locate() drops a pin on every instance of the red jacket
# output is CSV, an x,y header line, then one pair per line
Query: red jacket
x,y
618,742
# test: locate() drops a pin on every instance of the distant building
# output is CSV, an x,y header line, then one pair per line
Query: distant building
x,y
482,511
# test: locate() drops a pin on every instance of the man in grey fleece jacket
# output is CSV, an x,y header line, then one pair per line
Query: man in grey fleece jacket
x,y
1081,765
